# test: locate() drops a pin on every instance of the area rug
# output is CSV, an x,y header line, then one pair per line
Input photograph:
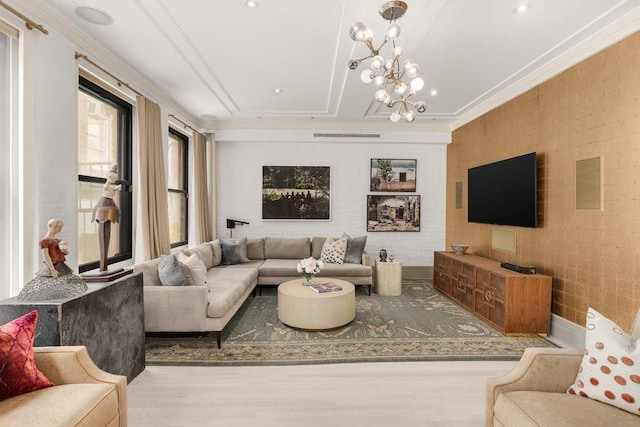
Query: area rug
x,y
421,324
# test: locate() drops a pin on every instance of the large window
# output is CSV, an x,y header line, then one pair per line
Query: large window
x,y
178,186
104,140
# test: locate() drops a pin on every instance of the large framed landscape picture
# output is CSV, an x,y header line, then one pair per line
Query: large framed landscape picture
x,y
393,213
398,175
296,192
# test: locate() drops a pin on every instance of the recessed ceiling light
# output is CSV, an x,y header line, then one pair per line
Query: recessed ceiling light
x,y
93,15
522,8
278,90
434,92
252,4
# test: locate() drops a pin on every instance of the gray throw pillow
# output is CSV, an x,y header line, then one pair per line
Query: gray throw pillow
x,y
355,248
234,252
172,272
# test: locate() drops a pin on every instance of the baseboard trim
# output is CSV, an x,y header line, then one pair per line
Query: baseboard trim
x,y
566,334
416,272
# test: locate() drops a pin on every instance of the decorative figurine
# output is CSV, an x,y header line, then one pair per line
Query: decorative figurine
x,y
105,212
55,279
383,255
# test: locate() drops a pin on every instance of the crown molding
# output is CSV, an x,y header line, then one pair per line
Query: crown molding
x,y
101,54
614,33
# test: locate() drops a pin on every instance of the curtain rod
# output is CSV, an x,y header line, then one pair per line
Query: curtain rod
x,y
120,82
183,123
28,22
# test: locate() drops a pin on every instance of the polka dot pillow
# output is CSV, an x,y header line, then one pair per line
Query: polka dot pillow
x,y
610,368
334,250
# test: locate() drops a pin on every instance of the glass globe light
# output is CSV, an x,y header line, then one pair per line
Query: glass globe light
x,y
420,106
381,95
397,52
392,32
417,84
368,34
387,100
400,88
366,76
378,81
388,64
409,116
377,62
358,31
413,70
395,117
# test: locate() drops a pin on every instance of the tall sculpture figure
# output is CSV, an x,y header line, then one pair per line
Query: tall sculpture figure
x,y
105,212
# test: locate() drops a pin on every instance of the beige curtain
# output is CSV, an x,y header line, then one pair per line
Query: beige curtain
x,y
200,188
153,182
214,194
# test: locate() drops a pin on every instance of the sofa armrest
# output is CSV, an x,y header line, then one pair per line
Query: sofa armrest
x,y
175,308
73,365
539,369
366,258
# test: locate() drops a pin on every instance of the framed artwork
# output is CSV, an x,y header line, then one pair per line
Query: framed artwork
x,y
296,192
393,213
397,175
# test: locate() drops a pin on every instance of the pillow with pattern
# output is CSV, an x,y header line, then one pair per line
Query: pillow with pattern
x,y
610,368
18,371
334,250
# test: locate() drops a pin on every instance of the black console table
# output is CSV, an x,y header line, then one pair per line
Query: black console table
x,y
108,319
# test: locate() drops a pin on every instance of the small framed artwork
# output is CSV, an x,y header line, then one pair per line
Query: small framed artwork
x,y
393,213
589,184
296,192
397,175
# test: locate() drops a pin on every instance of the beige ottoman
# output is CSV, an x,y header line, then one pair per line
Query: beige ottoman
x,y
302,307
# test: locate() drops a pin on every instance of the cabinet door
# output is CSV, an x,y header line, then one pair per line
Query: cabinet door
x,y
489,297
463,284
442,274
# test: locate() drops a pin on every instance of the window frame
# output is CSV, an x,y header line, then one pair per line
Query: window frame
x,y
125,171
185,183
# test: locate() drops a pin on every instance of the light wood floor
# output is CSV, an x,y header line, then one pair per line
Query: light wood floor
x,y
432,394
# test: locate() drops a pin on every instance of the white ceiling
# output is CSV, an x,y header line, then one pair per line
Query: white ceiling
x,y
220,58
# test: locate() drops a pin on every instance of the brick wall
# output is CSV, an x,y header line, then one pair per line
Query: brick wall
x,y
592,109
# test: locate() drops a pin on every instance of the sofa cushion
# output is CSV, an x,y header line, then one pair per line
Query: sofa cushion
x,y
541,409
610,368
204,252
18,371
333,250
255,248
234,252
287,248
217,252
149,270
227,285
63,405
355,248
172,272
196,268
316,246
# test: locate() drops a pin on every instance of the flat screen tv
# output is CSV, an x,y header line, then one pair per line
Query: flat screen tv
x,y
504,192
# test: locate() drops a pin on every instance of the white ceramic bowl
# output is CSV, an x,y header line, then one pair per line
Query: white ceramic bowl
x,y
459,248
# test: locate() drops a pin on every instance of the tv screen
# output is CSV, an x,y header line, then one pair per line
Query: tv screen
x,y
504,192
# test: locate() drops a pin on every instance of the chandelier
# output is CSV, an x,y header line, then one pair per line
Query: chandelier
x,y
395,83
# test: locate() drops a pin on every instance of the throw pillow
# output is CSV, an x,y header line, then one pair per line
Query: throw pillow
x,y
333,250
217,252
610,368
18,371
355,248
205,253
196,267
234,252
173,273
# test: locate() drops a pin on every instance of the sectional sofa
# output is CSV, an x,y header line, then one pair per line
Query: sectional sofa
x,y
208,307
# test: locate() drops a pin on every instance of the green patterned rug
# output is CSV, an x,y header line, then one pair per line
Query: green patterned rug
x,y
420,324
